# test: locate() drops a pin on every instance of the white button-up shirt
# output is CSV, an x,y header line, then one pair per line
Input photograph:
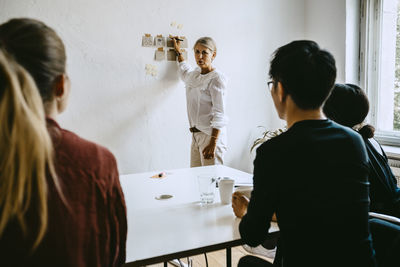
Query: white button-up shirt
x,y
206,98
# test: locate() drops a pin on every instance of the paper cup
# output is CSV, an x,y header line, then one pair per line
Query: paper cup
x,y
225,186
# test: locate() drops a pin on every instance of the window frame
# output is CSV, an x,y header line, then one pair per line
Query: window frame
x,y
370,63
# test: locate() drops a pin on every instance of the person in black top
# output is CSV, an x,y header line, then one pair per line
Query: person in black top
x,y
348,105
313,176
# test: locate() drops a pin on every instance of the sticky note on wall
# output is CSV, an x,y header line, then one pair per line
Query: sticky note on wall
x,y
171,55
151,70
184,43
160,54
170,42
147,40
159,41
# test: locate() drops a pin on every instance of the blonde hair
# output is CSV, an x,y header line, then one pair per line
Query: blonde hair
x,y
207,42
26,151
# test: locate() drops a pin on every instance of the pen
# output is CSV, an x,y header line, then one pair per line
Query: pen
x,y
176,38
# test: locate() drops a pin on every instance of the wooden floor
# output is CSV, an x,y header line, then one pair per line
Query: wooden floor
x,y
215,259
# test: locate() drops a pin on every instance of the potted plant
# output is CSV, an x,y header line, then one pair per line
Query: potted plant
x,y
266,135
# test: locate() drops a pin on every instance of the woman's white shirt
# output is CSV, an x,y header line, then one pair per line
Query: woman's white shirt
x,y
206,98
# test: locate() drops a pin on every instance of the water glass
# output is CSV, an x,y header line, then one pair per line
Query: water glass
x,y
207,186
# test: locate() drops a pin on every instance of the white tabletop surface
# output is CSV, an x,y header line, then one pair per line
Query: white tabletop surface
x,y
163,227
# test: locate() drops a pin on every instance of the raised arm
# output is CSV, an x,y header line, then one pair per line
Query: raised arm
x,y
183,68
177,46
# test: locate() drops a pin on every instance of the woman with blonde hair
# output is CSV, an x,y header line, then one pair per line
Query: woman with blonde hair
x,y
61,202
206,101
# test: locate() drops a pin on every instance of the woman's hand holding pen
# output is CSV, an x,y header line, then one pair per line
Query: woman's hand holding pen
x,y
177,44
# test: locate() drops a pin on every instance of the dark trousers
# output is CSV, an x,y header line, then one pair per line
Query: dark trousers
x,y
386,242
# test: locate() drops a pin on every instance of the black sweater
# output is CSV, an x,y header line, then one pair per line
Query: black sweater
x,y
314,176
384,193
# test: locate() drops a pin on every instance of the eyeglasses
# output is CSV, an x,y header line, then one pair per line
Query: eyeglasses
x,y
271,85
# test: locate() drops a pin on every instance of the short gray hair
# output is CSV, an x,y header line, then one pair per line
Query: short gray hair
x,y
207,42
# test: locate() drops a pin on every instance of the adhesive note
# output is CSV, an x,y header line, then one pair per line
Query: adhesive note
x,y
147,40
170,43
171,55
159,41
184,43
151,70
180,26
159,54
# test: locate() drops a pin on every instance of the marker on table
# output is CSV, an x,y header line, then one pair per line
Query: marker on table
x,y
159,175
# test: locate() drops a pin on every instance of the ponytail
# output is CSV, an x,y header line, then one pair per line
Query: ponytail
x,y
367,131
26,151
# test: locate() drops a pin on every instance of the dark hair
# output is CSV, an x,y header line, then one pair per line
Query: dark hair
x,y
348,105
37,48
306,72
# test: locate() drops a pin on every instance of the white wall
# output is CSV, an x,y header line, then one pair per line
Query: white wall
x,y
325,23
142,119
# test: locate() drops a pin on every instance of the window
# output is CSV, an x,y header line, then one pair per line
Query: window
x,y
380,66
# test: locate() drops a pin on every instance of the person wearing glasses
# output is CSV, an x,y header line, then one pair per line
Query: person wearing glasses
x,y
206,103
348,105
314,176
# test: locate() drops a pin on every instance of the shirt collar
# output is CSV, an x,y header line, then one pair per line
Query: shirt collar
x,y
52,122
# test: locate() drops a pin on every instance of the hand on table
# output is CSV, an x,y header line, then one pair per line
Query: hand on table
x,y
239,204
209,151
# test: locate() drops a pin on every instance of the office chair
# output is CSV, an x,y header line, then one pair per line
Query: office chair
x,y
386,241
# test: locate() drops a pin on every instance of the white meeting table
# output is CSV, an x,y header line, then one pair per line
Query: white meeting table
x,y
163,230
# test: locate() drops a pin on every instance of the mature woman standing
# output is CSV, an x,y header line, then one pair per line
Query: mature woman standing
x,y
205,98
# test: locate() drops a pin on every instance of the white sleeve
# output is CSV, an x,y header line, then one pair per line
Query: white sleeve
x,y
218,98
184,70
